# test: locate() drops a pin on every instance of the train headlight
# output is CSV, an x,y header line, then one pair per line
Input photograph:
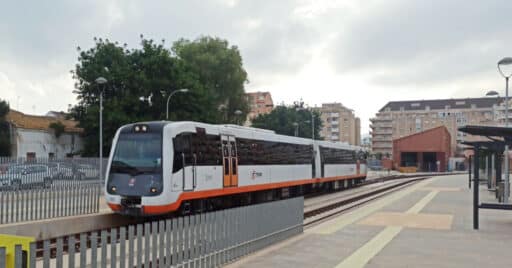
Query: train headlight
x,y
144,128
137,128
113,188
153,190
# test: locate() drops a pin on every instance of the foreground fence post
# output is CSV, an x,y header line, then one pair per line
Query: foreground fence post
x,y
205,240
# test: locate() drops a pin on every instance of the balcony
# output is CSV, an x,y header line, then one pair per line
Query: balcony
x,y
381,119
383,132
382,138
335,130
382,145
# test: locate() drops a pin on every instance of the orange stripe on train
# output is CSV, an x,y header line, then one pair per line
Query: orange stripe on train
x,y
161,209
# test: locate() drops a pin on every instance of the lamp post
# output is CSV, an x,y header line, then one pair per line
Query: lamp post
x,y
494,93
505,64
296,125
312,121
101,81
183,90
238,113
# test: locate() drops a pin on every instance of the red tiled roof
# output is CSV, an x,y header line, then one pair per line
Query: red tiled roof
x,y
21,120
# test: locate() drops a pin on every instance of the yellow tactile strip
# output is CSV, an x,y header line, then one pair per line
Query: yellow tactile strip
x,y
423,221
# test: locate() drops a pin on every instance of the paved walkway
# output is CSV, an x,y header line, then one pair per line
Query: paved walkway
x,y
425,225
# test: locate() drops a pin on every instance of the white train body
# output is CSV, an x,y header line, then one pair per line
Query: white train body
x,y
200,161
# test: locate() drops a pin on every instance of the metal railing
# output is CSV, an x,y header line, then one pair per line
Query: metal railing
x,y
42,188
204,240
57,201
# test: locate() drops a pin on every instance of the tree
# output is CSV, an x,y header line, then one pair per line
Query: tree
x,y
5,141
58,128
219,70
141,79
282,120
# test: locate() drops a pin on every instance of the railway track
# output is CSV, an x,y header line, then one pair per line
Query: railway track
x,y
338,205
315,212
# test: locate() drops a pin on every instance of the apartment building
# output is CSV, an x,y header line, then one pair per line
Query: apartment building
x,y
340,124
402,118
259,103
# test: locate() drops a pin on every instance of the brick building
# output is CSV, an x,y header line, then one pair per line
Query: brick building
x,y
428,150
259,103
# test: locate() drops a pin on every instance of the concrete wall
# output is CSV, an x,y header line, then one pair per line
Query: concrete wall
x,y
42,143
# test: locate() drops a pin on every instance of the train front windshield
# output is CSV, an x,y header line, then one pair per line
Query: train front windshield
x,y
138,152
136,167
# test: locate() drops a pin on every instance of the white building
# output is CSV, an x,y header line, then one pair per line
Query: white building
x,y
32,136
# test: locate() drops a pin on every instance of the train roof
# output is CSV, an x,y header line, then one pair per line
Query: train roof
x,y
249,132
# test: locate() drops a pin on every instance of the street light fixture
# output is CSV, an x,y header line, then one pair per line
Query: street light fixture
x,y
101,81
505,69
296,125
238,113
494,93
183,90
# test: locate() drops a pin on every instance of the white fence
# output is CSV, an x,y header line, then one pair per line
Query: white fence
x,y
204,240
42,188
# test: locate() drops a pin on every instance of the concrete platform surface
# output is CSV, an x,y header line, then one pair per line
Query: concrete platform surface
x,y
429,224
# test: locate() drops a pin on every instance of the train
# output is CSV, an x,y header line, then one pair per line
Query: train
x,y
162,167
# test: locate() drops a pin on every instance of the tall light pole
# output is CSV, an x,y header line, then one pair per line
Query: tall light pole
x,y
296,125
238,113
312,120
494,93
101,81
183,90
505,64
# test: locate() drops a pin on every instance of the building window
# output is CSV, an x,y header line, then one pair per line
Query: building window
x,y
427,108
31,156
418,124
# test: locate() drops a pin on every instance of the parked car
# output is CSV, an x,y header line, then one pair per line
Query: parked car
x,y
86,171
61,170
19,176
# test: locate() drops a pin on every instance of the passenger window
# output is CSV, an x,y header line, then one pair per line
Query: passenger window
x,y
226,166
234,165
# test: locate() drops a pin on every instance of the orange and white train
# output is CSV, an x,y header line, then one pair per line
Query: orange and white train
x,y
162,167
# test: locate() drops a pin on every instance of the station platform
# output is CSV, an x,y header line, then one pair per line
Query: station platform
x,y
429,224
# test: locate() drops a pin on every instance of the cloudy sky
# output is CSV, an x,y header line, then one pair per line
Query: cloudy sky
x,y
360,53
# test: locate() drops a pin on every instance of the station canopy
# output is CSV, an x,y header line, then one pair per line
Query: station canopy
x,y
489,131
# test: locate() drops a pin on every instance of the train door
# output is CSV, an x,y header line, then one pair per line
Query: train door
x,y
234,161
189,158
229,161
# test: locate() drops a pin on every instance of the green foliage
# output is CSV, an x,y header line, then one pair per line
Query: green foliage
x,y
4,109
5,142
208,67
282,120
58,128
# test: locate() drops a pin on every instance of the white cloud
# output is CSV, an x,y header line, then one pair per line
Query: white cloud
x,y
360,53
